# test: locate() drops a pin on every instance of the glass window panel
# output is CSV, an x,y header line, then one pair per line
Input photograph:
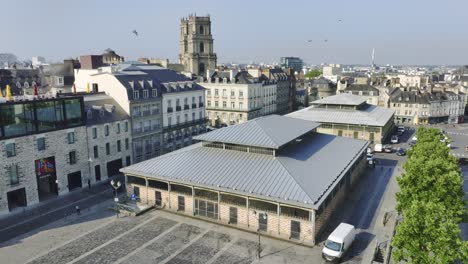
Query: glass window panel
x,y
17,119
73,111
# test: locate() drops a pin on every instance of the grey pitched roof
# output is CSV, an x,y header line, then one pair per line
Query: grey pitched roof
x,y
371,116
95,102
160,78
342,99
410,97
271,131
362,87
300,175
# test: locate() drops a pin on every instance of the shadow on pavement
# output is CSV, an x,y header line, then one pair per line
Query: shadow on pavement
x,y
360,205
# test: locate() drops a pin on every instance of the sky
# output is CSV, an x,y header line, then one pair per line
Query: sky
x,y
428,32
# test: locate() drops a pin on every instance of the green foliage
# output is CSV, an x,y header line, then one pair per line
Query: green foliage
x,y
431,201
313,73
428,234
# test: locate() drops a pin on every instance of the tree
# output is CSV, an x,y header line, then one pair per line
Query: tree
x,y
313,73
428,234
436,179
431,201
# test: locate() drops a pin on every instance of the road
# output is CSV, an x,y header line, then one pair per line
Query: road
x,y
19,223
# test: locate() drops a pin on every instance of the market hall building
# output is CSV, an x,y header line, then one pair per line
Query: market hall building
x,y
274,174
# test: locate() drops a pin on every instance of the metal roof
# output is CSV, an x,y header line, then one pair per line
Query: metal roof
x,y
271,131
342,99
302,174
371,116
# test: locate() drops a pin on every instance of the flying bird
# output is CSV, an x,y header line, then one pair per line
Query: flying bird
x,y
135,32
309,40
326,40
339,20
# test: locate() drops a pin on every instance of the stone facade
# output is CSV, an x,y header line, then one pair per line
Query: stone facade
x,y
118,132
57,146
278,224
230,102
196,45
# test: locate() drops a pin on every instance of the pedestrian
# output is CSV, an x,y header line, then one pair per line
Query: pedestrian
x,y
78,210
89,184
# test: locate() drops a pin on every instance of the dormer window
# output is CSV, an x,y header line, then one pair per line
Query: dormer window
x,y
89,114
145,94
101,113
136,95
18,84
26,85
154,93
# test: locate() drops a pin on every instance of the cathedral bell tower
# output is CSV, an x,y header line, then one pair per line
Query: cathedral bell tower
x,y
196,45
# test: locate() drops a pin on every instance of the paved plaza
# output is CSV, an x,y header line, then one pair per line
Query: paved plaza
x,y
156,237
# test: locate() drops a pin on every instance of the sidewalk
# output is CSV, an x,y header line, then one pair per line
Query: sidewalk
x,y
23,221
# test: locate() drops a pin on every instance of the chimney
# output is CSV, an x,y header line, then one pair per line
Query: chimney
x,y
232,74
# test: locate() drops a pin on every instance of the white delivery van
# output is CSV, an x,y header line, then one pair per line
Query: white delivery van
x,y
378,148
338,242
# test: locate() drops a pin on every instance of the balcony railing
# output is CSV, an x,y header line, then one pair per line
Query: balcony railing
x,y
194,106
201,104
186,107
178,108
170,109
185,124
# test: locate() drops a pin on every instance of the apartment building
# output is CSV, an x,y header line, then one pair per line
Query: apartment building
x,y
164,106
234,97
109,137
43,149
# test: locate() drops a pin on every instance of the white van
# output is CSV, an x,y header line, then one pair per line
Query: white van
x,y
378,148
338,242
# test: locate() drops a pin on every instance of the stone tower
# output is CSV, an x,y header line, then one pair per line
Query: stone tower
x,y
196,45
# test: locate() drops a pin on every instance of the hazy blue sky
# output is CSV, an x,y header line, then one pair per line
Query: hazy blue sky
x,y
401,31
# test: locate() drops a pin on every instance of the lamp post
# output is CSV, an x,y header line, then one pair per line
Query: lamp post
x,y
259,247
116,186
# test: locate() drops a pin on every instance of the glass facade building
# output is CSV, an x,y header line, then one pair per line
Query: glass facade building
x,y
31,117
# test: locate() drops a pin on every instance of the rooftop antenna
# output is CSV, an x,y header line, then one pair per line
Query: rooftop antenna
x,y
373,58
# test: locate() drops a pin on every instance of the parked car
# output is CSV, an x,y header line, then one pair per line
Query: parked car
x,y
401,152
401,129
394,139
338,242
388,149
412,143
370,156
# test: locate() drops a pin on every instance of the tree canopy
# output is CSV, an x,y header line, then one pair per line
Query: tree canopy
x,y
313,73
431,202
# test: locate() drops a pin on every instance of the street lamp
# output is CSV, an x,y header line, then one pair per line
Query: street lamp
x,y
264,216
116,186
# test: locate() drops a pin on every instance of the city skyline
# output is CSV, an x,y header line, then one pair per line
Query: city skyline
x,y
403,33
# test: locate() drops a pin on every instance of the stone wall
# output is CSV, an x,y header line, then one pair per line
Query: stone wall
x,y
57,146
277,226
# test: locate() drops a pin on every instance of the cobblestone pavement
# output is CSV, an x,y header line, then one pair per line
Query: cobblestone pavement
x,y
162,237
88,242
